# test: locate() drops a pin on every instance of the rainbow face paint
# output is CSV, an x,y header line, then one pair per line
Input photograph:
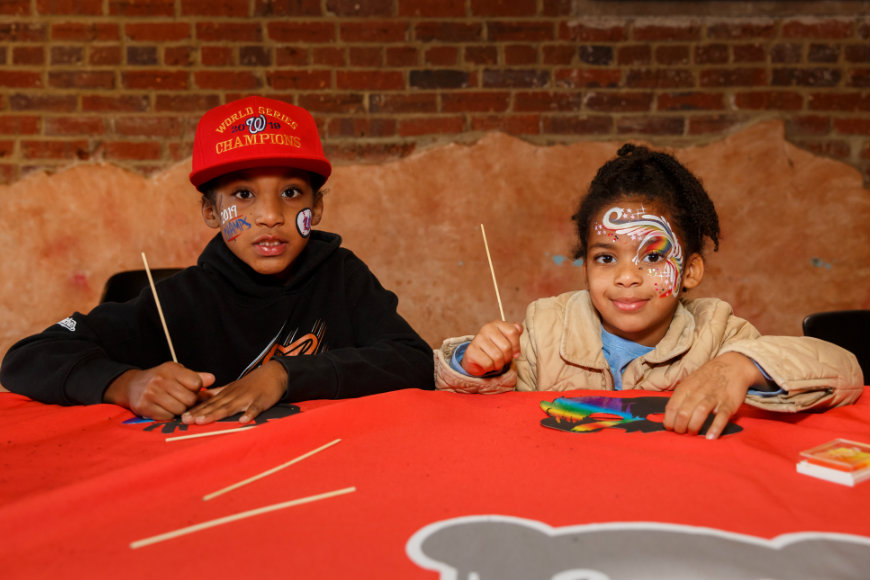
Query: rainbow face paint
x,y
303,222
658,251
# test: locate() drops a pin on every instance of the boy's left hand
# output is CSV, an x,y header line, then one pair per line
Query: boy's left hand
x,y
251,395
718,387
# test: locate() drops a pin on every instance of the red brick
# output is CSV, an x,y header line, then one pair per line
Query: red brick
x,y
229,32
331,103
186,103
369,80
523,31
825,53
361,128
503,8
374,31
28,55
619,101
78,125
66,55
287,8
475,102
115,104
579,32
42,102
547,101
748,53
442,55
658,32
481,54
215,8
448,32
7,148
805,77
404,103
255,56
105,55
82,80
155,80
647,125
55,149
79,32
786,53
735,30
23,32
365,56
711,54
19,124
157,31
858,53
634,54
511,124
803,125
556,8
300,80
558,54
672,55
818,29
131,150
149,126
441,125
516,78
21,79
740,77
142,55
713,124
577,125
432,8
212,55
308,32
328,56
15,8
858,78
827,147
134,8
69,7
364,8
293,56
769,100
690,102
588,78
178,56
401,56
520,55
849,102
226,80
660,78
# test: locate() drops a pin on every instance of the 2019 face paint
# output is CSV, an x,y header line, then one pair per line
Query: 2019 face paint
x,y
658,249
232,224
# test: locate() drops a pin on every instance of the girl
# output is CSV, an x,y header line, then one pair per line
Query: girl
x,y
642,229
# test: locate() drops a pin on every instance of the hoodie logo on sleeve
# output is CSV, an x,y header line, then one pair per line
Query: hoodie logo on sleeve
x,y
68,323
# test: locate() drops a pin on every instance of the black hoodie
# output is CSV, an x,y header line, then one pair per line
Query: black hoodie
x,y
226,319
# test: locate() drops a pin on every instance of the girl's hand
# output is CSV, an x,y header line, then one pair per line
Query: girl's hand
x,y
251,395
159,393
718,387
495,345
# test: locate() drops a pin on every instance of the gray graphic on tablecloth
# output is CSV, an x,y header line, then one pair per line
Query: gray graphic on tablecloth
x,y
483,547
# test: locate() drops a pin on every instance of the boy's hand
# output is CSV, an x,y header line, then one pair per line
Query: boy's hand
x,y
251,395
159,393
495,345
718,387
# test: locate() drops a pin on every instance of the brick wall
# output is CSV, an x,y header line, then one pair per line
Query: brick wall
x,y
124,81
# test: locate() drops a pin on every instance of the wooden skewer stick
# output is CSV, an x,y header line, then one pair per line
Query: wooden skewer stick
x,y
268,471
209,434
236,517
492,271
159,309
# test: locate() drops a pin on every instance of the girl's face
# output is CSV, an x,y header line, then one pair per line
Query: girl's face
x,y
265,216
635,268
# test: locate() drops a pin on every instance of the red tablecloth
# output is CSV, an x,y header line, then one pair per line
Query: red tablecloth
x,y
445,483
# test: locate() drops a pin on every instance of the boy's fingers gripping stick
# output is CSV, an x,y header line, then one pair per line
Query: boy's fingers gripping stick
x,y
492,271
159,309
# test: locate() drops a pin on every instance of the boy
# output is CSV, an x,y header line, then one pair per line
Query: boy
x,y
265,291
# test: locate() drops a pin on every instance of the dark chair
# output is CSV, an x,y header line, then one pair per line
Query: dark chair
x,y
124,286
847,328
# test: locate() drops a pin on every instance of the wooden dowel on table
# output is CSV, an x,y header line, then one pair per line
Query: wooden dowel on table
x,y
236,517
159,309
209,433
492,271
268,471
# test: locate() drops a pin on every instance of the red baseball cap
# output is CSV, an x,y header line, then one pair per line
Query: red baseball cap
x,y
256,132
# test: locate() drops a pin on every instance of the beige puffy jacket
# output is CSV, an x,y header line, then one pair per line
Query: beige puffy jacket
x,y
561,350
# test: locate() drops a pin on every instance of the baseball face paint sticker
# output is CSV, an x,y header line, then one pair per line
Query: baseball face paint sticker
x,y
658,250
303,222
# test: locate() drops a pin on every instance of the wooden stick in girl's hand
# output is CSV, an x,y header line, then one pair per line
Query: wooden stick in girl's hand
x,y
492,271
159,309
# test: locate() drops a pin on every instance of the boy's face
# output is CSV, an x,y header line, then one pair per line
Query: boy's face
x,y
635,268
265,216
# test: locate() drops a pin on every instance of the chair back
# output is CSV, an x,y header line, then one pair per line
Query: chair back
x,y
127,285
849,329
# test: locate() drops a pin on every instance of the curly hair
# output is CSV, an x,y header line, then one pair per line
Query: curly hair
x,y
651,176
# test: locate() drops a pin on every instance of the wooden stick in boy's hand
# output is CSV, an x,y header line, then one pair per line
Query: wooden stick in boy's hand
x,y
492,271
159,309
